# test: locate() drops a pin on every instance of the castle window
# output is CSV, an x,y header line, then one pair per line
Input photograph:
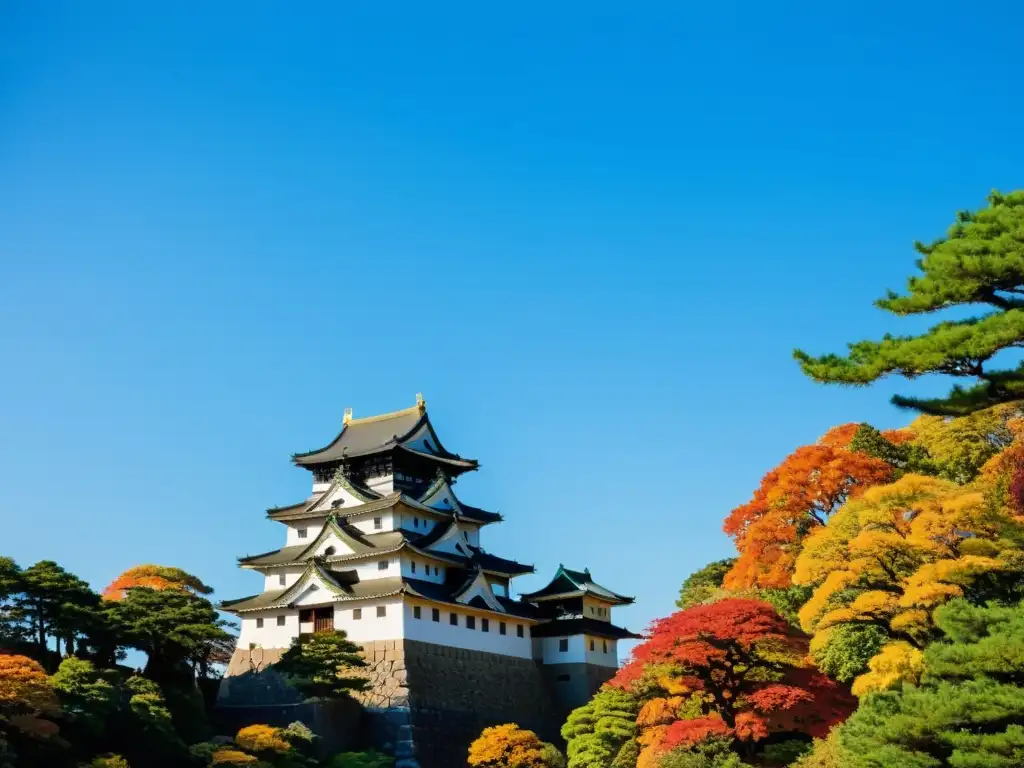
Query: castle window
x,y
485,625
280,621
453,619
329,551
415,522
502,628
259,623
378,523
382,565
357,614
382,611
416,612
519,630
413,565
280,579
605,646
435,614
563,645
471,622
301,532
591,643
563,678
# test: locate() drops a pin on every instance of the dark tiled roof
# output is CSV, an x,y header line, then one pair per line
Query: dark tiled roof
x,y
368,544
253,602
377,434
582,626
344,589
304,511
365,436
275,557
568,583
489,562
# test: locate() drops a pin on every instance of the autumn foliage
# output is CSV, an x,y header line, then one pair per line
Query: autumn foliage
x,y
796,497
26,697
262,738
733,669
509,746
155,577
890,557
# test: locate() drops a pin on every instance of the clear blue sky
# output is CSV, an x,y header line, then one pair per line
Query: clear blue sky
x,y
591,236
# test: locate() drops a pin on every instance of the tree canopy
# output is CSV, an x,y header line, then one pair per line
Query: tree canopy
x,y
969,707
155,577
597,733
325,664
733,669
509,746
888,558
979,262
796,497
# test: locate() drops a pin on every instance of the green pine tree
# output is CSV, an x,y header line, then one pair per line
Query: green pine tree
x,y
968,710
980,261
324,665
173,628
705,584
597,733
55,605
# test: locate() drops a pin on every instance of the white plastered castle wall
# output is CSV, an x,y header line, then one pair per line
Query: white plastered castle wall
x,y
575,653
443,632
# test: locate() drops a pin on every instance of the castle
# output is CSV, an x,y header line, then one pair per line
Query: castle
x,y
384,550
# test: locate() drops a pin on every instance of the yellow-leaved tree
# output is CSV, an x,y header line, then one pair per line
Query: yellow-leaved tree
x,y
509,746
886,560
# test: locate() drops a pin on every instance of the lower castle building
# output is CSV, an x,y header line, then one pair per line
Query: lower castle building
x,y
384,550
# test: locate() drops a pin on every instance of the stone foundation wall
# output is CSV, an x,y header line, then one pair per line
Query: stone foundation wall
x,y
456,693
573,685
428,702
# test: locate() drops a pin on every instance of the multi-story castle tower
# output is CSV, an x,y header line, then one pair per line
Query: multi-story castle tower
x,y
384,550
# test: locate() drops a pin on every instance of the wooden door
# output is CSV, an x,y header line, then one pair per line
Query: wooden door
x,y
323,619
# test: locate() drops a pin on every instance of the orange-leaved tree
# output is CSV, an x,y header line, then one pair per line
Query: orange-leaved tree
x,y
26,697
793,499
155,577
509,746
734,670
887,559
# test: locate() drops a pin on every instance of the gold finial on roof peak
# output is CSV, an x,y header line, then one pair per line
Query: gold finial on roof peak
x,y
420,402
348,416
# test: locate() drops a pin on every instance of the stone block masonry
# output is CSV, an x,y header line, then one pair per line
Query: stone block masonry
x,y
427,702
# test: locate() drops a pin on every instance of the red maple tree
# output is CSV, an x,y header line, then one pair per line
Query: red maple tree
x,y
792,499
733,668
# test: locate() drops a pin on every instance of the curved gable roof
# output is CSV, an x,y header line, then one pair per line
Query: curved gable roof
x,y
570,583
359,437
